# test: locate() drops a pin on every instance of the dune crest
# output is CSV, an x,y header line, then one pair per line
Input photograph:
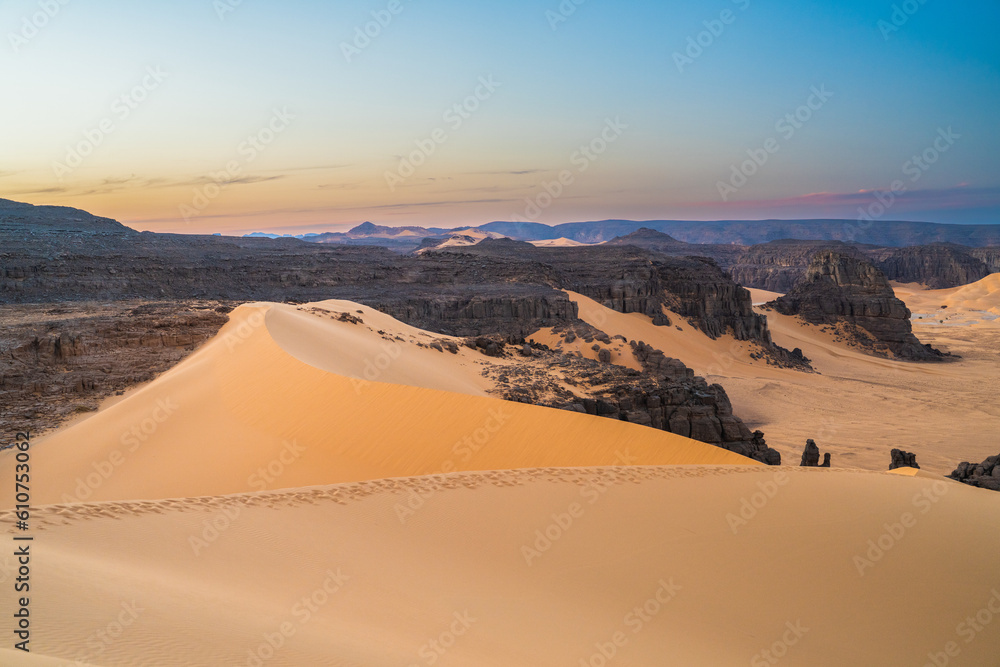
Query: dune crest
x,y
270,403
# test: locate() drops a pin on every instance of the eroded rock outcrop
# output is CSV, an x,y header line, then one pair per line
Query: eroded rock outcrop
x,y
61,360
810,456
901,459
985,475
838,289
665,395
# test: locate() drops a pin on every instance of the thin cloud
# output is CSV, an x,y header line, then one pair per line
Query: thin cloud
x,y
42,191
518,172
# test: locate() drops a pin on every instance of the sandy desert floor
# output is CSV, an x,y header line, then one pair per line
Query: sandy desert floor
x,y
682,565
307,491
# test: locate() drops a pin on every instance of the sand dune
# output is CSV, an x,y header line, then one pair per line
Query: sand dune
x,y
653,566
856,406
983,295
557,243
284,398
976,305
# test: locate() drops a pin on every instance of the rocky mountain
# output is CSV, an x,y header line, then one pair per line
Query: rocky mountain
x,y
650,239
778,265
752,232
852,293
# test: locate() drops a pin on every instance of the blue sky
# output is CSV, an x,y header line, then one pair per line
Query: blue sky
x,y
249,117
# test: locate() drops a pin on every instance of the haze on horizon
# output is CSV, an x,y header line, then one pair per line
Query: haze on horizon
x,y
206,116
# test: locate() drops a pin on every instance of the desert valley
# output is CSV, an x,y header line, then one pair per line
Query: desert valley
x,y
499,451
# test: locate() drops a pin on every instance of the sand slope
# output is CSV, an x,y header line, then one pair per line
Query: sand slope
x,y
269,403
651,559
983,295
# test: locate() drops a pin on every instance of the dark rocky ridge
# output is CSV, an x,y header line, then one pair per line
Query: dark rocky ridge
x,y
989,256
842,289
779,265
937,266
985,475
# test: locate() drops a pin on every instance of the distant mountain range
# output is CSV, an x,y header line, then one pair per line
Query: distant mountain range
x,y
887,233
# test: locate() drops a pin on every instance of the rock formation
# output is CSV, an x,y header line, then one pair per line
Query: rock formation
x,y
841,289
937,266
779,265
989,256
901,459
985,475
810,457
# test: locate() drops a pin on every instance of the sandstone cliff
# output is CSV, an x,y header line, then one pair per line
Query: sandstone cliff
x,y
936,266
842,289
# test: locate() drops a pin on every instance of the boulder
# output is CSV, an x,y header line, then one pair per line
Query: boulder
x,y
901,459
